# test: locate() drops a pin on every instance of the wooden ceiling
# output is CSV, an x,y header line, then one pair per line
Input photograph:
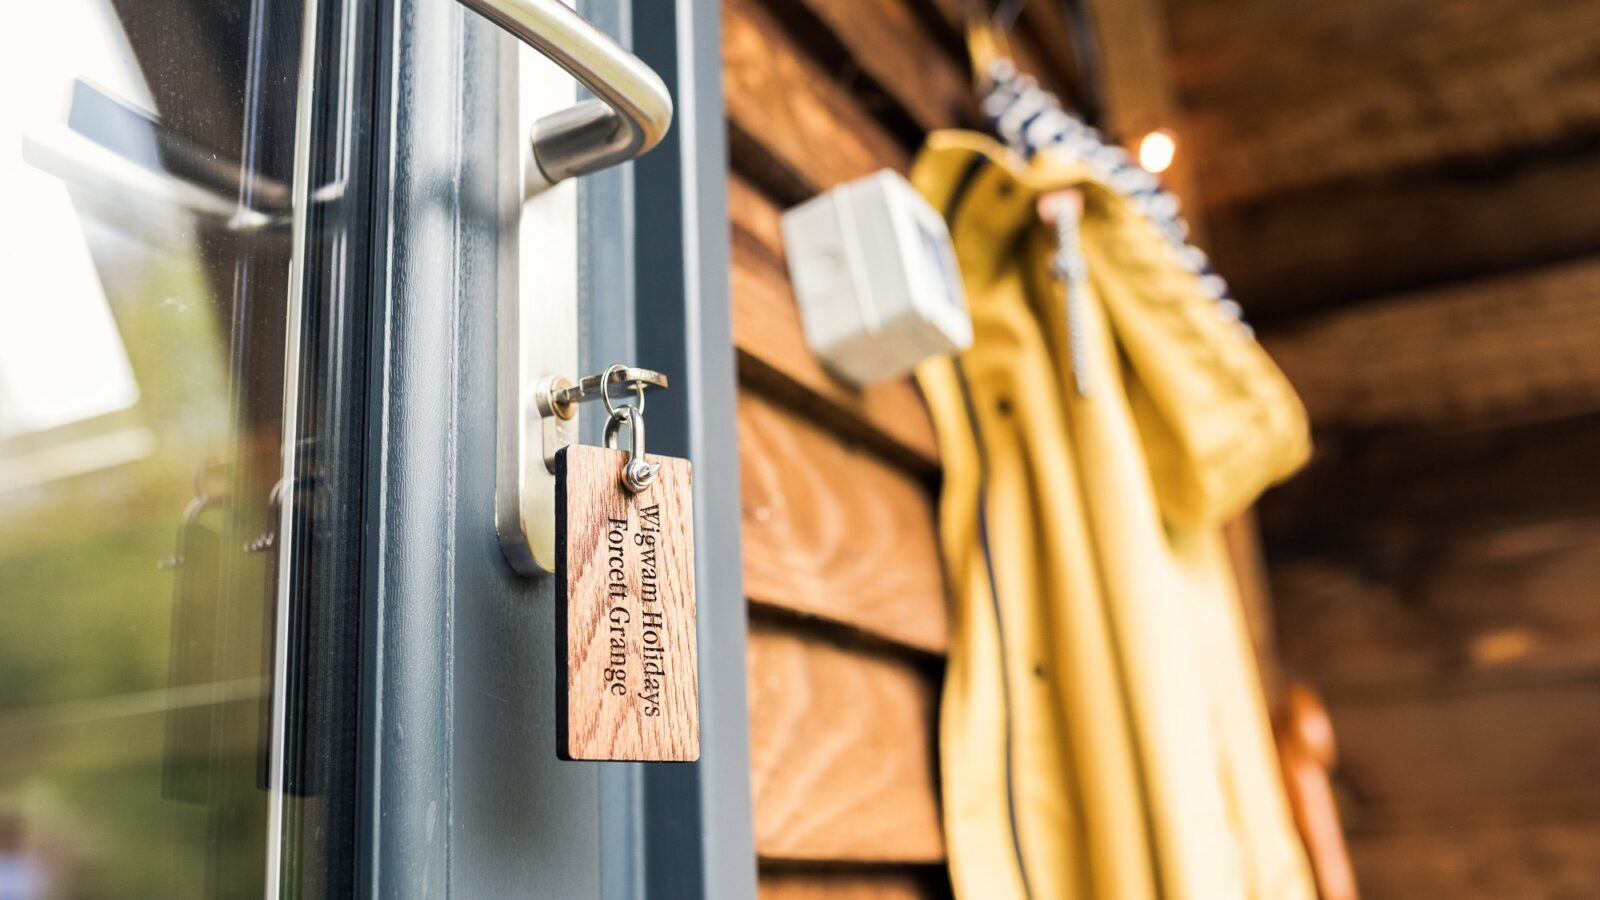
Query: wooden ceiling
x,y
1405,195
1353,148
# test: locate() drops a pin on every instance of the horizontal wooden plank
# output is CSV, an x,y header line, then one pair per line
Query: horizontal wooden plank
x,y
841,752
1040,45
1136,91
1512,348
792,128
1297,252
1283,97
1411,555
856,883
1131,38
1542,861
1414,491
1517,601
774,358
889,43
833,532
1478,749
1043,40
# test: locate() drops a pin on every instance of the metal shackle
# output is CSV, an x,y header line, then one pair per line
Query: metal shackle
x,y
637,474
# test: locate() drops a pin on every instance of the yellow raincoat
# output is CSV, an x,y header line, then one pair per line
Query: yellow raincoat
x,y
1103,733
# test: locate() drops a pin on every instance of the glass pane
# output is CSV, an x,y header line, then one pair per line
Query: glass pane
x,y
146,157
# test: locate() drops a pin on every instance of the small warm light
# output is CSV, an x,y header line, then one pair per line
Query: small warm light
x,y
1503,645
1156,151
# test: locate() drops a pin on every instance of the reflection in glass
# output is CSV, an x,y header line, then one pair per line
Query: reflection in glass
x,y
145,150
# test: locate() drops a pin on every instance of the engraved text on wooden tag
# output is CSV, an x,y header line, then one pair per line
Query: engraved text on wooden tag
x,y
626,664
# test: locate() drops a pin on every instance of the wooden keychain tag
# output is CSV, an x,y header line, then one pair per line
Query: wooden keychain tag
x,y
627,670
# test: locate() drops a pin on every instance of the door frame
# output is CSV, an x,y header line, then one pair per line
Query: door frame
x,y
681,205
463,793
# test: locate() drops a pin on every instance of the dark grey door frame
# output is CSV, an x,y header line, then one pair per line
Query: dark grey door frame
x,y
464,795
685,320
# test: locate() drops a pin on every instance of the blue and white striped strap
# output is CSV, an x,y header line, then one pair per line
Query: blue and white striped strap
x,y
1030,120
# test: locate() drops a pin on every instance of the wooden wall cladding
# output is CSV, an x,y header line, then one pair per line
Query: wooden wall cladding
x,y
1482,748
789,122
1406,199
1365,87
1439,586
878,883
774,359
841,750
1482,862
836,533
1359,147
1441,554
840,546
1312,250
896,50
1488,352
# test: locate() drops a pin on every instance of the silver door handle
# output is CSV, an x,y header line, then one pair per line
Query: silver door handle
x,y
632,113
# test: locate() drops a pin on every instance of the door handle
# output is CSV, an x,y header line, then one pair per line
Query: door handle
x,y
539,291
633,109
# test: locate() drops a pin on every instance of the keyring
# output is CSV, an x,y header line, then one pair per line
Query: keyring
x,y
605,391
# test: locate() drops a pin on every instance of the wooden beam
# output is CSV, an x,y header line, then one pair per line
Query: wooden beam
x,y
1295,253
832,532
857,883
1137,95
889,43
1046,25
1512,348
1420,557
1136,92
775,360
1474,750
841,752
1410,492
1037,45
792,128
1481,862
1284,97
1514,602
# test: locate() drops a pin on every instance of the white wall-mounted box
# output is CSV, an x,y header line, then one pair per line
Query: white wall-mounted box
x,y
876,279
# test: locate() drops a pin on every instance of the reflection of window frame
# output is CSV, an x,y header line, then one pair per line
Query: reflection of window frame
x,y
77,448
123,163
159,189
115,150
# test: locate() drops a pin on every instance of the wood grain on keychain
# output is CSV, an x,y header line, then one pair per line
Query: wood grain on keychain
x,y
627,669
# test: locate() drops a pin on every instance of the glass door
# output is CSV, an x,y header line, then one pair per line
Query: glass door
x,y
468,795
180,413
258,636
